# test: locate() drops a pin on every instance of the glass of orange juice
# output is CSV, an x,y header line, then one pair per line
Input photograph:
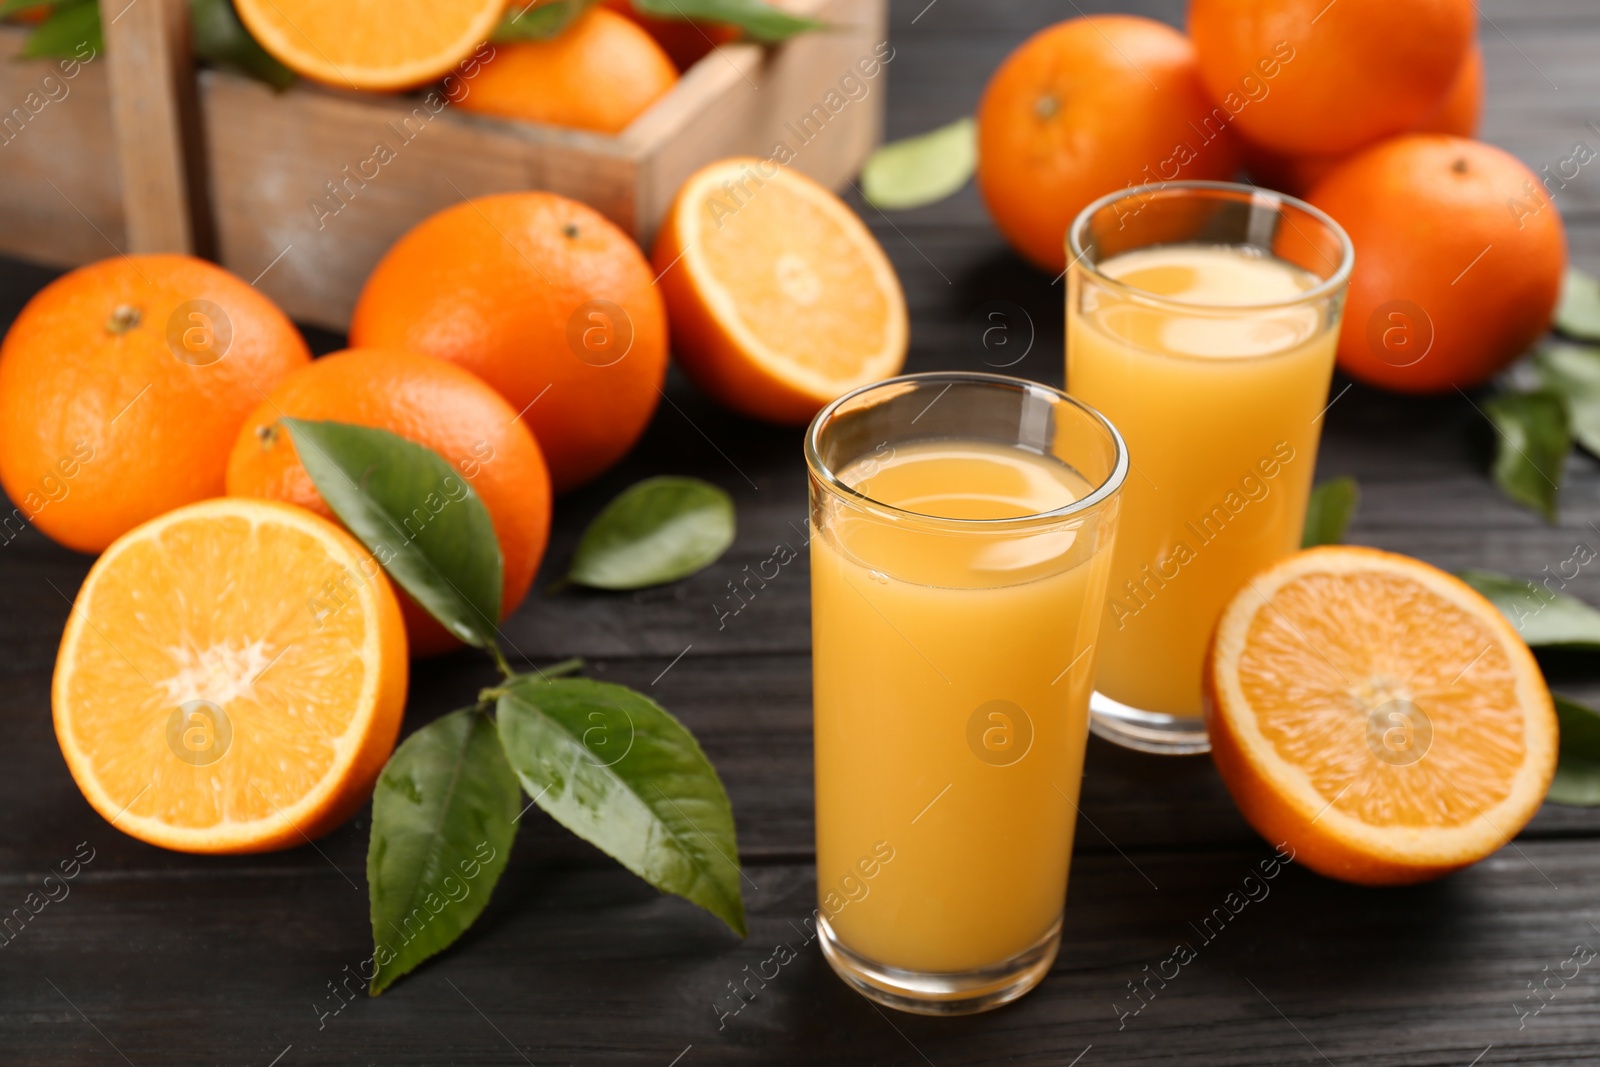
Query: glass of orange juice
x,y
1202,319
962,527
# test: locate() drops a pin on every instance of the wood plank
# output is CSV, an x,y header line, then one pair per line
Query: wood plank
x,y
672,143
312,186
826,74
153,108
593,966
63,200
752,714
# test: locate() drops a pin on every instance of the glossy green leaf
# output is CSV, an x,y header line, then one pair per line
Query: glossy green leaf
x,y
1332,505
1542,616
1574,372
1578,313
221,39
443,818
921,170
420,519
656,531
1535,435
72,31
617,770
1577,778
758,19
538,22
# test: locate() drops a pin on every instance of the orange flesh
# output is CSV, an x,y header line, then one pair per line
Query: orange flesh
x,y
205,610
796,277
371,44
1313,681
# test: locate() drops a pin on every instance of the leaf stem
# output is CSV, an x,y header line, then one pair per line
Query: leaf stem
x,y
499,658
571,665
487,697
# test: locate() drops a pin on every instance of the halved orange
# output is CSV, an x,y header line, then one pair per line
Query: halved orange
x,y
778,297
370,44
231,679
1377,715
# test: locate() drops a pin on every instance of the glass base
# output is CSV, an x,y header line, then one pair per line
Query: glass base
x,y
942,992
1146,731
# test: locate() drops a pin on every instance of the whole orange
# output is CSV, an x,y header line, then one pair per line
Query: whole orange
x,y
1463,104
122,386
600,73
1458,114
544,299
1459,259
425,400
687,41
1309,77
1085,107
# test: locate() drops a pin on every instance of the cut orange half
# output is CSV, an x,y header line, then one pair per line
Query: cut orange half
x,y
370,44
779,298
1377,715
231,679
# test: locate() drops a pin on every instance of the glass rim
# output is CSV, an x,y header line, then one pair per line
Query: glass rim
x,y
1102,492
1076,252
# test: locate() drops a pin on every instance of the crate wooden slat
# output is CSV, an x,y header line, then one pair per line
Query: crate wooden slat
x,y
153,111
60,189
272,157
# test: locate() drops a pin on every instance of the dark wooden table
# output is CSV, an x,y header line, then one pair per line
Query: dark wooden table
x,y
160,958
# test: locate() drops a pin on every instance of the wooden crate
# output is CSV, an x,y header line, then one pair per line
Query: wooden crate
x,y
292,190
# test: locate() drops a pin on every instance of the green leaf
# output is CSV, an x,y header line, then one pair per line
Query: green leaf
x,y
921,170
14,7
221,39
1574,372
420,519
1332,505
656,531
1542,616
617,770
1535,437
443,818
757,19
1578,313
1577,778
538,22
69,29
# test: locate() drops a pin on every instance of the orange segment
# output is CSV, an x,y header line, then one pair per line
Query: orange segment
x,y
370,44
779,298
231,679
1378,715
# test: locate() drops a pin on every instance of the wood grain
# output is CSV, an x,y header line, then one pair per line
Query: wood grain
x,y
63,194
161,958
153,110
591,966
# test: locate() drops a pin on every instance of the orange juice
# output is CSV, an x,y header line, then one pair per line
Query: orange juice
x,y
1219,402
953,666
